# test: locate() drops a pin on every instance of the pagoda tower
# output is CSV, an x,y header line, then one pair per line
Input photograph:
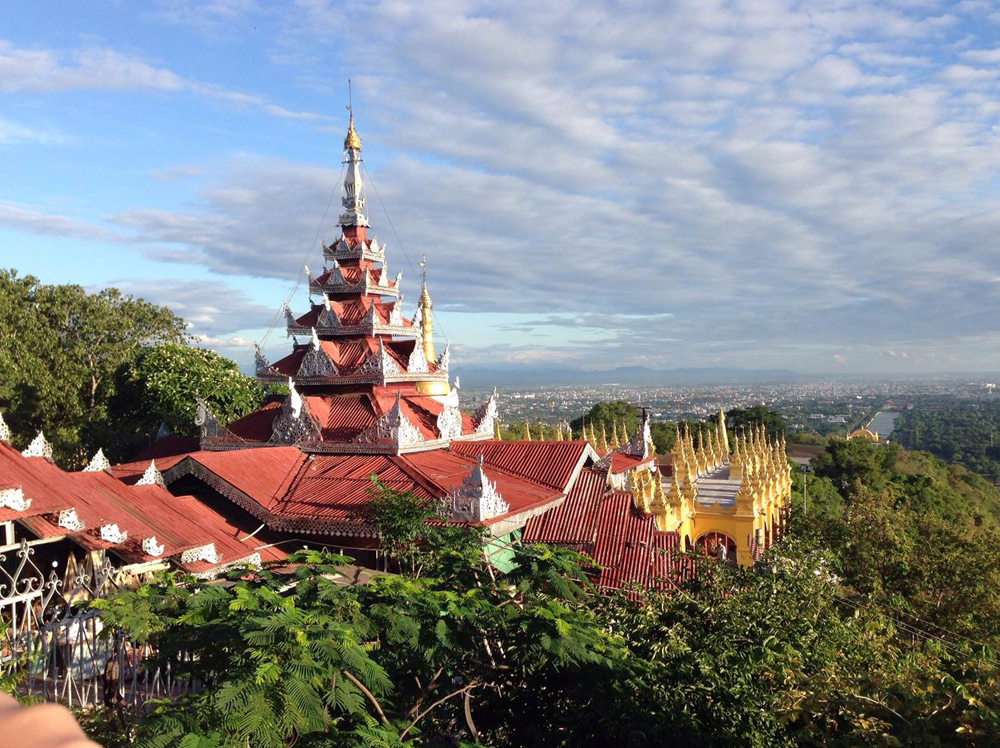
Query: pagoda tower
x,y
362,377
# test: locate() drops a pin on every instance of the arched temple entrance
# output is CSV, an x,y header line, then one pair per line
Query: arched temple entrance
x,y
709,543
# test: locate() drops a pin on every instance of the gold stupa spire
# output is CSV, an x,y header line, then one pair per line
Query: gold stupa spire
x,y
426,315
352,141
602,446
496,430
527,431
559,431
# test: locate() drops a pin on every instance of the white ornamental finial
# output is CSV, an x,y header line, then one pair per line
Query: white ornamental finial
x,y
151,548
39,447
152,476
98,463
5,435
295,399
315,340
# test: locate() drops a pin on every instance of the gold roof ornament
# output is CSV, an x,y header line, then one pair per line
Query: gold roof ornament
x,y
615,440
527,431
352,142
602,446
496,430
559,431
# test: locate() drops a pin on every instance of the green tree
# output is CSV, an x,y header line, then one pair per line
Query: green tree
x,y
162,384
740,418
607,414
59,349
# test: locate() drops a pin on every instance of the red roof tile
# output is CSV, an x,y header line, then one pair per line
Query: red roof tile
x,y
574,522
551,464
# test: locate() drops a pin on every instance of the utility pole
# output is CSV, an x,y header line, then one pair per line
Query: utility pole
x,y
805,470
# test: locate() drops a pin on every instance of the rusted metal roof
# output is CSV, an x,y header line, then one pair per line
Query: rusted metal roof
x,y
574,522
551,464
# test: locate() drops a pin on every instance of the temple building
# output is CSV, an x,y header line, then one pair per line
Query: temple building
x,y
369,394
728,502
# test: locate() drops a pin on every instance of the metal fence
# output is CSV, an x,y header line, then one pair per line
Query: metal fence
x,y
60,648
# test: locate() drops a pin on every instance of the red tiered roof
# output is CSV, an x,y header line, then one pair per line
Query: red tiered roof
x,y
177,523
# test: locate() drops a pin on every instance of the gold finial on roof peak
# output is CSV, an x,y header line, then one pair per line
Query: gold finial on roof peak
x,y
352,140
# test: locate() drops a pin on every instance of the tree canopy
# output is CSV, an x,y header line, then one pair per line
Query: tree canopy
x,y
103,370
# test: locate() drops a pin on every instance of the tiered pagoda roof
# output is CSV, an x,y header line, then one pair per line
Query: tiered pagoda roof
x,y
363,378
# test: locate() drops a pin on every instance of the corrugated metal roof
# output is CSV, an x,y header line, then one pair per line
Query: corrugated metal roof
x,y
551,464
574,522
622,462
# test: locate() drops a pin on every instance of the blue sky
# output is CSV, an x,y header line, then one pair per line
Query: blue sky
x,y
811,185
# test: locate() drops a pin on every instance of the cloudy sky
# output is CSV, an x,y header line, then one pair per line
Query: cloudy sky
x,y
758,183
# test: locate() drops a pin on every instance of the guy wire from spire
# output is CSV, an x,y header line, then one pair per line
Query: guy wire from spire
x,y
437,319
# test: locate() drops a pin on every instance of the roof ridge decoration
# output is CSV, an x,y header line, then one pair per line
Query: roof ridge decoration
x,y
289,317
13,497
211,429
336,277
316,362
151,477
487,414
449,422
327,317
97,463
206,553
39,447
68,520
445,358
417,363
393,428
396,314
111,533
5,434
380,362
294,423
477,498
151,548
262,366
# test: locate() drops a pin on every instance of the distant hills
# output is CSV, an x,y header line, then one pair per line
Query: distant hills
x,y
523,375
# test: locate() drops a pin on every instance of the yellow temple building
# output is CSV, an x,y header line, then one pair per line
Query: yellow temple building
x,y
730,501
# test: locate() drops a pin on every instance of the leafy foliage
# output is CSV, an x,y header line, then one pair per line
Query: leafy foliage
x,y
162,384
59,349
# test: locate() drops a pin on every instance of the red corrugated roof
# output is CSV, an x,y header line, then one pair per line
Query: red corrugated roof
x,y
551,464
100,499
628,547
622,462
574,522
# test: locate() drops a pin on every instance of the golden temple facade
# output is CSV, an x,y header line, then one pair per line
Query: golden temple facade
x,y
728,500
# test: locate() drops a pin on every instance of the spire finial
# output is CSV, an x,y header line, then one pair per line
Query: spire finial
x,y
352,141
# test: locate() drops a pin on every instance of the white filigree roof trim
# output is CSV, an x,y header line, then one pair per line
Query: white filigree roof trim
x,y
151,548
68,520
392,428
151,477
39,447
13,497
449,422
111,533
417,363
206,553
5,435
487,415
97,463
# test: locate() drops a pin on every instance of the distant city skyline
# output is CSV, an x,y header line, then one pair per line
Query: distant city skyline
x,y
812,186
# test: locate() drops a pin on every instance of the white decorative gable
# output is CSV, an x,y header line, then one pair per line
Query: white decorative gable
x,y
476,499
13,498
97,463
69,521
110,533
417,363
206,553
152,476
393,428
487,414
449,422
39,447
151,548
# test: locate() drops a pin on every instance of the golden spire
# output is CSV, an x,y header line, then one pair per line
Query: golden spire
x,y
527,431
603,444
496,430
353,140
722,431
559,431
426,315
615,441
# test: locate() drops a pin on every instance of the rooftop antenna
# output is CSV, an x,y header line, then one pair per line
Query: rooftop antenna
x,y
350,98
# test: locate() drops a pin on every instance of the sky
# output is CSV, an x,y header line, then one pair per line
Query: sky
x,y
812,185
